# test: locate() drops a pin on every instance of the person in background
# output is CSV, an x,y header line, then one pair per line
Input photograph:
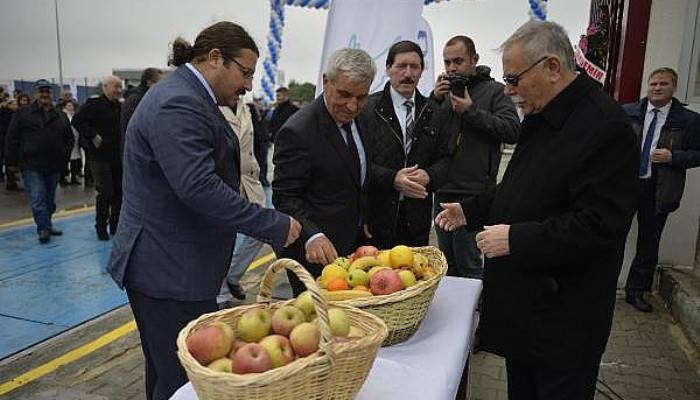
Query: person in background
x,y
149,77
38,143
75,165
23,99
282,111
7,110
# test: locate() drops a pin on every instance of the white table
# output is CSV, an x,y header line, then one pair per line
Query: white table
x,y
429,365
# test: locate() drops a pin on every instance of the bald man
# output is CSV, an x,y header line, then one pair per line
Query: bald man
x,y
98,124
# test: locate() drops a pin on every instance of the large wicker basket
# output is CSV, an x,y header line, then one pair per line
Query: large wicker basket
x,y
337,371
404,310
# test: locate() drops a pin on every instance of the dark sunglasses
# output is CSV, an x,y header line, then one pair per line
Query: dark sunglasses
x,y
247,72
513,80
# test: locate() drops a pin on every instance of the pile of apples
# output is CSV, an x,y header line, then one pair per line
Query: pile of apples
x,y
262,340
370,271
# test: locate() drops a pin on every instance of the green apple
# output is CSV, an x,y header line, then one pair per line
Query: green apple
x,y
358,277
223,364
305,304
285,318
339,322
408,278
254,325
279,349
305,338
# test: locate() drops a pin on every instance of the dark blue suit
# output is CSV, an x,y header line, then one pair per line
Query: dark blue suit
x,y
180,215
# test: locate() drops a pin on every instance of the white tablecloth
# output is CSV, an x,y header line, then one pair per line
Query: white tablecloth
x,y
428,365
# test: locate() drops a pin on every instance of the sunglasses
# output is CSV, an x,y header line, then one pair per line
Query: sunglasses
x,y
513,80
247,72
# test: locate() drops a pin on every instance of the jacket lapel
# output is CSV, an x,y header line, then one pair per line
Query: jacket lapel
x,y
332,132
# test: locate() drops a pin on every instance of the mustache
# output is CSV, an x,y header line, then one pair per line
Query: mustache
x,y
407,81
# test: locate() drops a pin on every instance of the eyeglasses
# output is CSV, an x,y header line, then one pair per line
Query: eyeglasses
x,y
247,72
513,80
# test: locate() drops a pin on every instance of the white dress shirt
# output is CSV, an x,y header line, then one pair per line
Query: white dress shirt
x,y
660,121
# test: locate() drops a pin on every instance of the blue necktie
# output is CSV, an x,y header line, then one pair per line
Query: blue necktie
x,y
646,149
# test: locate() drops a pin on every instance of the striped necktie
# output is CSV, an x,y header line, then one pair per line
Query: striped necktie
x,y
409,125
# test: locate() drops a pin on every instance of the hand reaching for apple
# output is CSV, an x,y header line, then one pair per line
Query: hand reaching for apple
x,y
294,231
451,217
321,251
410,188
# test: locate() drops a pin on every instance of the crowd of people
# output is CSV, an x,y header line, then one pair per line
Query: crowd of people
x,y
185,172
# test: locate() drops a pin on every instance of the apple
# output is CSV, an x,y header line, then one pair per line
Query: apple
x,y
385,282
358,277
401,256
251,358
237,344
279,349
339,322
365,251
356,333
408,278
285,318
254,325
384,257
224,364
305,338
376,269
305,303
210,342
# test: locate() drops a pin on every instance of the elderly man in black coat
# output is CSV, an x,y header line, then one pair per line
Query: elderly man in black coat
x,y
555,227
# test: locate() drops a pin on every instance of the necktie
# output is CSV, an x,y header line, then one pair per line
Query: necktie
x,y
352,149
646,149
409,125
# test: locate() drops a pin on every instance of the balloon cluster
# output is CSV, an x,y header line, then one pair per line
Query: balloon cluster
x,y
538,9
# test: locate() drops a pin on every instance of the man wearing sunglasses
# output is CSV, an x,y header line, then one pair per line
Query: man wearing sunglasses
x,y
478,118
554,231
39,141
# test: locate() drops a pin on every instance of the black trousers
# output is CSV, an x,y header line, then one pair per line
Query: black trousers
x,y
650,227
527,382
401,233
159,322
108,183
75,166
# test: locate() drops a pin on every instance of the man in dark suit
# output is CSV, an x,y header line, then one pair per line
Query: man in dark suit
x,y
321,165
182,210
555,227
669,140
409,153
282,111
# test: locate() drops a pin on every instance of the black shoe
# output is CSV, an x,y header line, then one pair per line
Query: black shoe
x,y
112,229
55,232
236,290
102,233
74,181
44,236
637,301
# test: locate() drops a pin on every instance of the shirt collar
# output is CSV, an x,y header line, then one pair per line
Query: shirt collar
x,y
662,110
398,99
201,79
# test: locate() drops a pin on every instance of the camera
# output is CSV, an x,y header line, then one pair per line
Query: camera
x,y
457,84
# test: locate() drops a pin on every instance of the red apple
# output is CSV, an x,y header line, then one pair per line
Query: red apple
x,y
210,342
251,358
279,349
365,251
284,319
386,281
237,344
305,338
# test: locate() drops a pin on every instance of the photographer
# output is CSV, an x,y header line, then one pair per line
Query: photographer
x,y
478,117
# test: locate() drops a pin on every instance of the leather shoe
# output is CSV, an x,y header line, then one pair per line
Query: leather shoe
x,y
637,301
55,232
44,236
236,290
102,234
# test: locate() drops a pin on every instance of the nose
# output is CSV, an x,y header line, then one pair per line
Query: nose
x,y
353,106
508,90
248,85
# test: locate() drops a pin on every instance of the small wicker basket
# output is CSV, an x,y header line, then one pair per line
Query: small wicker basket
x,y
336,371
404,310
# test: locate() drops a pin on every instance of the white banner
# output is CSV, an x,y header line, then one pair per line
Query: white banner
x,y
424,38
591,69
372,26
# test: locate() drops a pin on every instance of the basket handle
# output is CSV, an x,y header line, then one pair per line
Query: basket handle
x,y
320,303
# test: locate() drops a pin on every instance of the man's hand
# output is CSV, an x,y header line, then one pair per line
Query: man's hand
x,y
442,86
451,217
493,241
408,187
368,234
661,156
459,104
420,177
321,251
97,141
294,231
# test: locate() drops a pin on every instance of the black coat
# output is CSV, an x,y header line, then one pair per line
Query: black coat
x,y
385,140
680,134
568,194
280,115
100,116
314,182
37,139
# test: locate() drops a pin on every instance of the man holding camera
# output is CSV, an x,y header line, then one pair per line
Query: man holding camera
x,y
478,117
408,153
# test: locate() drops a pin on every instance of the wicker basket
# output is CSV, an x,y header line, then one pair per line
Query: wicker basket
x,y
404,310
336,371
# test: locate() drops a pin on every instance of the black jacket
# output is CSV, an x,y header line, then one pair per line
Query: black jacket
x,y
100,116
38,140
680,134
476,136
568,194
385,140
280,115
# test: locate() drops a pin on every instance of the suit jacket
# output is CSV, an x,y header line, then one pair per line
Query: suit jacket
x,y
568,194
314,182
100,116
680,134
181,209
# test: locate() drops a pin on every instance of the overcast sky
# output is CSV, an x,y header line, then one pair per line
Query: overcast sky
x,y
98,35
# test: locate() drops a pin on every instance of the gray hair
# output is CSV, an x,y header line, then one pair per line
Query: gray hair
x,y
541,38
356,64
109,79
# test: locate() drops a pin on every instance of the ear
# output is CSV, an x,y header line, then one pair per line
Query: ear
x,y
554,68
325,81
476,58
215,58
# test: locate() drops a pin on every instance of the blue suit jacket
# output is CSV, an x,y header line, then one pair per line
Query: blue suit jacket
x,y
181,209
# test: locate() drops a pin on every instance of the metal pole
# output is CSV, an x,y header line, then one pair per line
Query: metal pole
x,y
58,44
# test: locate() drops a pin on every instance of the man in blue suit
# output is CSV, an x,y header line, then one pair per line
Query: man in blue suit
x,y
181,209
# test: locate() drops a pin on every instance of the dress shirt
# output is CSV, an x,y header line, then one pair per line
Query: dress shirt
x,y
204,82
660,121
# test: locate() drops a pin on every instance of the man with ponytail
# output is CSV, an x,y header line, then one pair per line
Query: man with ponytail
x,y
181,209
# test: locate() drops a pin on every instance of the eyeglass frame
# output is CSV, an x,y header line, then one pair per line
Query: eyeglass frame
x,y
513,80
247,72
